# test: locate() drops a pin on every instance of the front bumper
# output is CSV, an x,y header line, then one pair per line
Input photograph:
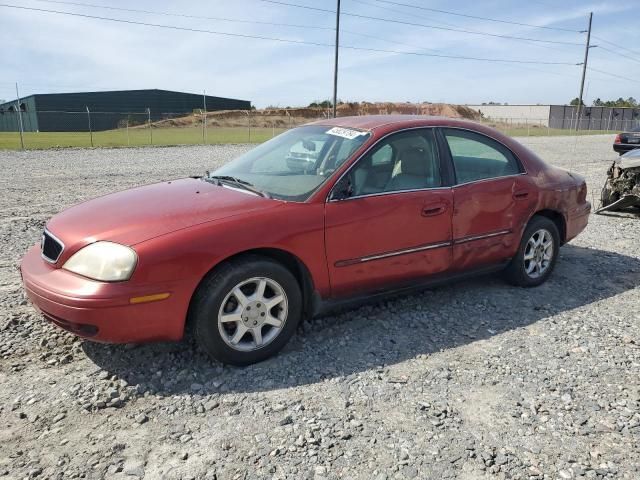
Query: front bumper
x,y
102,311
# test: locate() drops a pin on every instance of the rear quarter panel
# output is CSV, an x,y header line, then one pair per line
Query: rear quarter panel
x,y
559,191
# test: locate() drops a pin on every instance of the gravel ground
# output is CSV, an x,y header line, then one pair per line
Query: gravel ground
x,y
474,380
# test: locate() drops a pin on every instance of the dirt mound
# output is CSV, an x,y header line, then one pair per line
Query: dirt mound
x,y
389,108
289,117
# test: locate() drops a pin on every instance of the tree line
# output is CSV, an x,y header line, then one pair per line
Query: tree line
x,y
620,102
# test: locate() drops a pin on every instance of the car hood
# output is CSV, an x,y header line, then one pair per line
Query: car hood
x,y
629,160
133,216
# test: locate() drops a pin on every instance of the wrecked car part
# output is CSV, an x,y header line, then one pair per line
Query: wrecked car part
x,y
622,187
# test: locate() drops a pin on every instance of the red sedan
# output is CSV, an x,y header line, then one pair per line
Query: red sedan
x,y
332,212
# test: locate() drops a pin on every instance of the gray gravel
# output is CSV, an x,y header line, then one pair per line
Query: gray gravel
x,y
474,380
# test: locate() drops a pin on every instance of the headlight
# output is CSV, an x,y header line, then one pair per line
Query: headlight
x,y
105,261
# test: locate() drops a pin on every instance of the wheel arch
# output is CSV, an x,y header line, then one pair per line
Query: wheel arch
x,y
290,261
557,218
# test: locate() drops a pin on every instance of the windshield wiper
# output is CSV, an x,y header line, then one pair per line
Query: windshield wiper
x,y
238,182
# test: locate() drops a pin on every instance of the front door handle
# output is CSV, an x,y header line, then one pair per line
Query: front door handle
x,y
433,210
520,194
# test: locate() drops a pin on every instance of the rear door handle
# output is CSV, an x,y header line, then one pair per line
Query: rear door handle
x,y
521,194
433,210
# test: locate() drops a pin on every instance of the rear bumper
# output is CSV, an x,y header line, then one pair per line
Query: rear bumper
x,y
625,147
577,220
102,311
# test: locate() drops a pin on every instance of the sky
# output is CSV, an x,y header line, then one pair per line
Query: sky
x,y
45,52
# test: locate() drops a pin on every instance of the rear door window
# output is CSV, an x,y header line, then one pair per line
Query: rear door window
x,y
478,157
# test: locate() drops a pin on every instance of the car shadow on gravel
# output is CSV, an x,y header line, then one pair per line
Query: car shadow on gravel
x,y
382,333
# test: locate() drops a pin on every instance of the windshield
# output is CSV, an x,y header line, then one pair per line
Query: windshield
x,y
294,164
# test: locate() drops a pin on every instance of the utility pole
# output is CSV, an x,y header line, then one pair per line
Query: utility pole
x,y
89,120
204,117
20,118
584,70
150,129
335,63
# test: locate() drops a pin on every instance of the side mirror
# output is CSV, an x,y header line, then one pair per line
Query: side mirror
x,y
343,189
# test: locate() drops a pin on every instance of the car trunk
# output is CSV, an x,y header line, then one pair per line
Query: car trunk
x,y
630,137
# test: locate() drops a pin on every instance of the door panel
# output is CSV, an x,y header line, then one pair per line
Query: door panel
x,y
491,200
488,219
375,242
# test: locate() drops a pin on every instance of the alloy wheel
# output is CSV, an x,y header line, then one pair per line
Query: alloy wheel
x,y
538,253
253,314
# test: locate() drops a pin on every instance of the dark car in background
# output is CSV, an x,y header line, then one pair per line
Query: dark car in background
x,y
627,141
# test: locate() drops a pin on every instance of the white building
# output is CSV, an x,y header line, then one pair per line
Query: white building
x,y
535,114
563,116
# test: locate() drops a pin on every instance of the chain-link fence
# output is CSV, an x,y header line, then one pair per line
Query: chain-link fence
x,y
50,129
523,127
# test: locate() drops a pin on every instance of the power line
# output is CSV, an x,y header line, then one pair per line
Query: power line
x,y
460,57
201,17
423,25
375,37
600,47
414,15
226,19
184,15
307,7
613,75
616,45
460,30
284,40
488,19
171,27
548,72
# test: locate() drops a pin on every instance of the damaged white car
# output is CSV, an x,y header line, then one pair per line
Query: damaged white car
x,y
622,188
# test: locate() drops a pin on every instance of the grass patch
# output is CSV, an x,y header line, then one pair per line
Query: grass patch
x,y
136,137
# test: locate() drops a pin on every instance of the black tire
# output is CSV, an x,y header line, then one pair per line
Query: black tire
x,y
515,273
215,288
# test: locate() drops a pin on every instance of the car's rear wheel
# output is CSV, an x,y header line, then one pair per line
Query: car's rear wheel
x,y
246,310
537,254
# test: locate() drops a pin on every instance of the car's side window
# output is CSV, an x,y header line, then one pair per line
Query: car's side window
x,y
404,161
383,155
477,157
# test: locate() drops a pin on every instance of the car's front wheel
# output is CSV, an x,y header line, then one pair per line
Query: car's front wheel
x,y
537,254
246,310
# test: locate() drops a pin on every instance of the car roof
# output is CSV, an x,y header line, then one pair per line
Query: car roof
x,y
372,122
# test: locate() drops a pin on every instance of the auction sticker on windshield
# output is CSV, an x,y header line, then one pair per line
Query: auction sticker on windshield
x,y
345,133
